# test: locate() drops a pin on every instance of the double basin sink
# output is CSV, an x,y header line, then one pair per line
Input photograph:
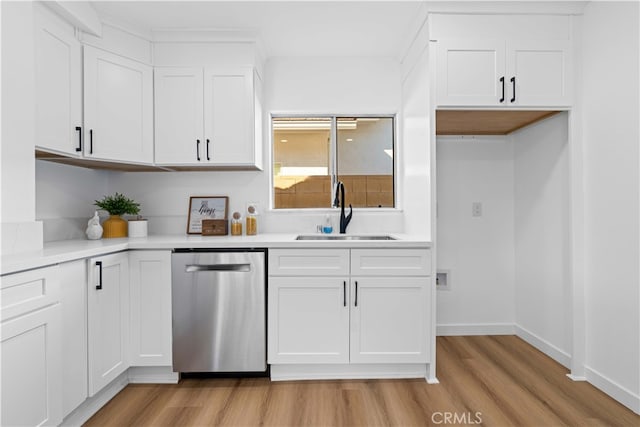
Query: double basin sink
x,y
344,237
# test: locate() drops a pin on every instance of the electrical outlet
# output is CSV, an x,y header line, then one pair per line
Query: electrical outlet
x,y
476,209
443,280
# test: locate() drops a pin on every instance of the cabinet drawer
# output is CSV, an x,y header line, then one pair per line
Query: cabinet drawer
x,y
309,262
391,262
28,291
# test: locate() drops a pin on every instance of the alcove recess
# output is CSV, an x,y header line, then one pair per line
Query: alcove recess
x,y
486,122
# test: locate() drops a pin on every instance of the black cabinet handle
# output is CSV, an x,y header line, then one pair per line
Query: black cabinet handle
x,y
513,82
198,149
356,299
79,130
99,265
208,150
90,141
502,81
344,293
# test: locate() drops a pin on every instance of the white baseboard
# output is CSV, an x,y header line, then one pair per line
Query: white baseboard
x,y
348,371
82,413
460,329
613,389
544,346
153,375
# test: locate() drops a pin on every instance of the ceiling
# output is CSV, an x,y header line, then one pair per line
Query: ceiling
x,y
286,28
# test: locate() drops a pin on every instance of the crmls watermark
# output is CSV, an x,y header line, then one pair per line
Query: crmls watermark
x,y
456,418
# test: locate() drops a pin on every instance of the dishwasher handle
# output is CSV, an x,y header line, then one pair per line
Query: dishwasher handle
x,y
192,268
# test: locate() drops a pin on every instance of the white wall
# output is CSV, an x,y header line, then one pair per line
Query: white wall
x,y
20,231
333,85
414,166
478,251
542,226
612,214
65,197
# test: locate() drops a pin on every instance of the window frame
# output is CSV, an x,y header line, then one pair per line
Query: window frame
x,y
333,159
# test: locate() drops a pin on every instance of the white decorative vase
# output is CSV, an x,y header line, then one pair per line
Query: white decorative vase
x,y
94,229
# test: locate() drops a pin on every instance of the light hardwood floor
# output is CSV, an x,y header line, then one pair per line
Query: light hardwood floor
x,y
488,380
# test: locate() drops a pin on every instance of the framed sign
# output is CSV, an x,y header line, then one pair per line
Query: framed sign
x,y
205,207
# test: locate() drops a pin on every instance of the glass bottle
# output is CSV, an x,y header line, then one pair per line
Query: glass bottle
x,y
236,224
252,221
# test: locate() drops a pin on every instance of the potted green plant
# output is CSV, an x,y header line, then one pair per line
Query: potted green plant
x,y
117,205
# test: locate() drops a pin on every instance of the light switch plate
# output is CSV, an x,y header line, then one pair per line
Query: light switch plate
x,y
476,209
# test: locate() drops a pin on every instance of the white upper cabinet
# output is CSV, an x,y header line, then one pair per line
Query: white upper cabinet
x,y
179,99
228,109
118,108
539,72
503,61
58,85
469,72
495,73
206,117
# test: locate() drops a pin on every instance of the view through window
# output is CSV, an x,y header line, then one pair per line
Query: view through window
x,y
311,153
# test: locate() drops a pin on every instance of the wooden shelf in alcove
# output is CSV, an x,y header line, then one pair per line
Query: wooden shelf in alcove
x,y
486,122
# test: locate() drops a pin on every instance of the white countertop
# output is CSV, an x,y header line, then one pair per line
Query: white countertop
x,y
70,250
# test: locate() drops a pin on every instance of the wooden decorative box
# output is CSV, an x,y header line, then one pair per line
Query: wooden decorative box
x,y
215,227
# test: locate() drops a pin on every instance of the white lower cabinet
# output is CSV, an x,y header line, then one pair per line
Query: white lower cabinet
x,y
308,320
30,347
73,299
365,319
108,318
150,281
389,319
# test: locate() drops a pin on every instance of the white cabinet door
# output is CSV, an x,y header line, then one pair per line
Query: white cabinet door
x,y
470,72
73,301
108,312
31,377
308,320
150,281
229,124
118,108
538,73
179,104
390,319
58,84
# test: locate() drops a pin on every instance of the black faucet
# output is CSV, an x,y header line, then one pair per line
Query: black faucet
x,y
339,201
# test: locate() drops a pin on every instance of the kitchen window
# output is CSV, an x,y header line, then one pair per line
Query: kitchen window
x,y
312,153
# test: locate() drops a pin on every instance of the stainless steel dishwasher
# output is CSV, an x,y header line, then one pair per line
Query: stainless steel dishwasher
x,y
219,310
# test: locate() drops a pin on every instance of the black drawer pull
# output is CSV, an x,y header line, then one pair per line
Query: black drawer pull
x,y
99,265
344,293
356,299
79,130
513,81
